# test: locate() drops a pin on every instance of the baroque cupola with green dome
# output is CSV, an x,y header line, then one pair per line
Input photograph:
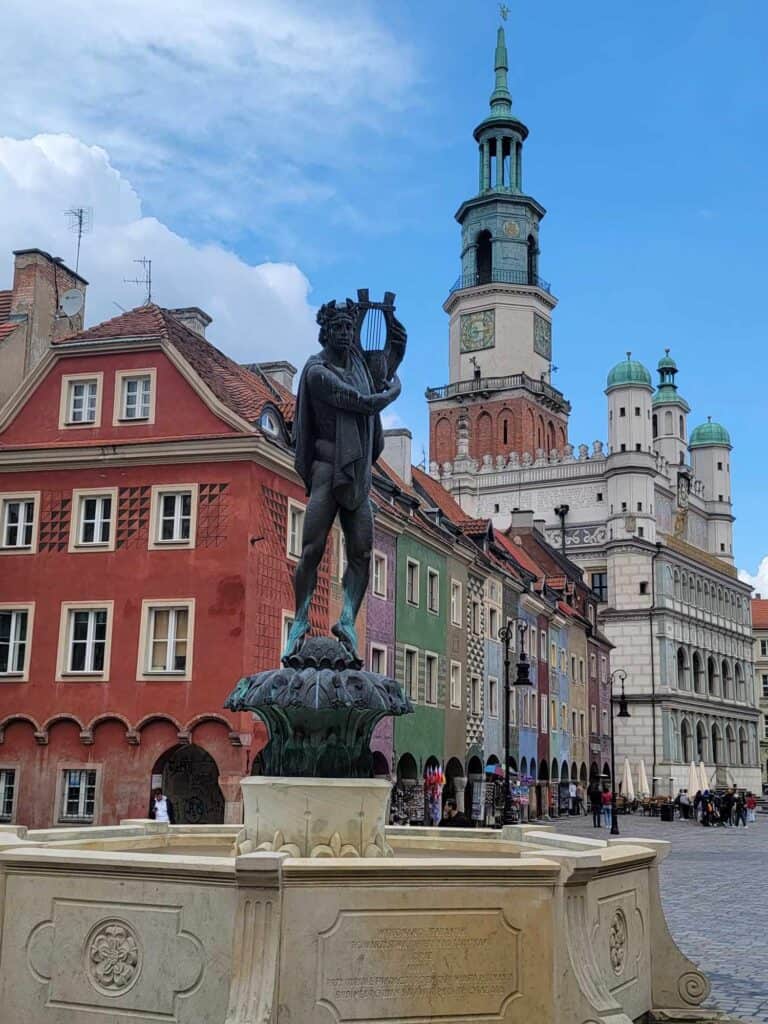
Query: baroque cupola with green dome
x,y
667,393
628,373
500,224
708,434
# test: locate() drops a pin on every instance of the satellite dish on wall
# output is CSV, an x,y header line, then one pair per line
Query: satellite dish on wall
x,y
71,302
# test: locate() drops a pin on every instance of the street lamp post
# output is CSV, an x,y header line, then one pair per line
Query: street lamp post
x,y
506,633
623,713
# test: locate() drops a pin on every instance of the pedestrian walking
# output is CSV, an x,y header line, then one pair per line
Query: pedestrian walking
x,y
595,802
607,802
727,802
571,797
697,802
685,804
580,799
160,807
740,811
751,804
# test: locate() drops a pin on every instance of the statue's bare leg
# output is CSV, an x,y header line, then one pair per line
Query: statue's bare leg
x,y
357,526
318,520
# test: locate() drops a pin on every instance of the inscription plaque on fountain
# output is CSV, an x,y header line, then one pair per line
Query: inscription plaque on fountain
x,y
392,965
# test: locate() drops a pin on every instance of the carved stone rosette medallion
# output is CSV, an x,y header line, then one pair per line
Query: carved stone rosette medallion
x,y
112,957
617,941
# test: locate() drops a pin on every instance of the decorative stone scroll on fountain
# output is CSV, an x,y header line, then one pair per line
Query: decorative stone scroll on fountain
x,y
317,796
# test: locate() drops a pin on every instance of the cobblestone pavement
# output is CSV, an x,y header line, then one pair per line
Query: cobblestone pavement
x,y
713,891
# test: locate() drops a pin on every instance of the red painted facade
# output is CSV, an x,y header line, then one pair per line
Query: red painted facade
x,y
236,574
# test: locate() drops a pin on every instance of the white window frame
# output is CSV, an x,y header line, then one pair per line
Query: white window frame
x,y
296,508
29,608
412,688
79,497
379,559
493,697
62,817
456,602
6,767
382,650
553,724
412,563
582,721
476,624
287,619
475,695
593,718
544,712
68,380
564,718
431,695
534,712
63,672
120,408
573,668
493,617
10,497
159,491
455,684
433,575
148,607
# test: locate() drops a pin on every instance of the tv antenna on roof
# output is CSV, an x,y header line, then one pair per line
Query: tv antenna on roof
x,y
80,220
145,281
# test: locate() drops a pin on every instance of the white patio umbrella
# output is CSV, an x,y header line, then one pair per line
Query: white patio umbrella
x,y
627,787
703,777
643,789
694,783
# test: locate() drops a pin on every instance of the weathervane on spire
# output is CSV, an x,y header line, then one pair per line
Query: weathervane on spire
x,y
503,11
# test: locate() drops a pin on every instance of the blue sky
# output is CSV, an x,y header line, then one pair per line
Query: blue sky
x,y
271,155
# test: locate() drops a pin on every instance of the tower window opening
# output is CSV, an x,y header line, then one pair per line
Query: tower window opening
x,y
641,533
622,411
637,410
599,495
639,506
623,447
682,458
484,257
638,447
719,465
682,428
533,260
655,426
505,432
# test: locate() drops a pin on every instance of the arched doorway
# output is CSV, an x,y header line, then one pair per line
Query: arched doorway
x,y
190,779
380,765
484,258
564,772
607,771
524,767
717,744
583,772
594,772
455,782
407,768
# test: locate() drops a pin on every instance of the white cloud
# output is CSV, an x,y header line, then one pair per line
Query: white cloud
x,y
759,581
259,311
244,101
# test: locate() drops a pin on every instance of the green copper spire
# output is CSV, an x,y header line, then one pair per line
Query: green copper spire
x,y
501,98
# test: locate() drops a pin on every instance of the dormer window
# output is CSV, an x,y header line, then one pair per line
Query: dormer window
x,y
268,423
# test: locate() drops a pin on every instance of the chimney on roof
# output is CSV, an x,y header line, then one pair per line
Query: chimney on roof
x,y
397,452
520,520
193,318
40,281
281,372
538,525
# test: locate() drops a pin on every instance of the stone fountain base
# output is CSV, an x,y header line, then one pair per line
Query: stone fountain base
x,y
317,817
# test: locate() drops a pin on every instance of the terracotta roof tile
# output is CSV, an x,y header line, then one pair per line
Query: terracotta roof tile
x,y
518,554
240,389
760,613
5,305
7,328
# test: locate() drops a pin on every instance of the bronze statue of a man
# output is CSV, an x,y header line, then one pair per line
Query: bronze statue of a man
x,y
338,436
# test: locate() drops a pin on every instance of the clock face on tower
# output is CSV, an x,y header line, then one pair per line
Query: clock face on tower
x,y
477,330
542,336
511,229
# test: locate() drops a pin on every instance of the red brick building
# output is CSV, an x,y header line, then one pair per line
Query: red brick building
x,y
148,515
